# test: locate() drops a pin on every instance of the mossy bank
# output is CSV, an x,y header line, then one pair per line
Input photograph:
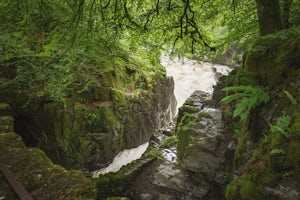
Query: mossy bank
x,y
267,158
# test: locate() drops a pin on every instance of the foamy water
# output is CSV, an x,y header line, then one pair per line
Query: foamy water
x,y
123,158
189,76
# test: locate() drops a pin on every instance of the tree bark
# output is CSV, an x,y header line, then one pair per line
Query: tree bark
x,y
269,18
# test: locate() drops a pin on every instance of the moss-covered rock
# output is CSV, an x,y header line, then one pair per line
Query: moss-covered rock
x,y
39,175
5,109
273,56
268,167
99,116
117,183
6,124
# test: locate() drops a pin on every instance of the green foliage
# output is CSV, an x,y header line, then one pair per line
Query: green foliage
x,y
48,49
240,76
154,153
227,178
277,151
247,98
281,125
290,97
272,40
169,142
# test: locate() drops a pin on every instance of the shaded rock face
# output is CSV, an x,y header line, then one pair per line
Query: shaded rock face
x,y
165,180
202,141
43,179
202,145
94,125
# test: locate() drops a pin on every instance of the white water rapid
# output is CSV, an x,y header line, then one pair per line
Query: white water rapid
x,y
123,158
189,76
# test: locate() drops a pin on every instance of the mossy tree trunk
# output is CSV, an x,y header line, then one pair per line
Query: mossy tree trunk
x,y
269,18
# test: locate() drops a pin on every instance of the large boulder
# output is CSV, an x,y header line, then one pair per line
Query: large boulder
x,y
202,142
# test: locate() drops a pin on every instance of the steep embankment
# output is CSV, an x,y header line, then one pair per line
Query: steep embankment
x,y
105,110
266,163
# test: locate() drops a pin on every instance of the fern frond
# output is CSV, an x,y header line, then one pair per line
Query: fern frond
x,y
240,88
232,97
290,97
247,98
281,125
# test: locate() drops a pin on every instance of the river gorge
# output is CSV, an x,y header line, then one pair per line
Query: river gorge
x,y
189,76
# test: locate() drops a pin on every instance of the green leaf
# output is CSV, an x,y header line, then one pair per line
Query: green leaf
x,y
277,151
231,98
247,98
290,97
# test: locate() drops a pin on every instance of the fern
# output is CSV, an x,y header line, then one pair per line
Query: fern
x,y
290,97
281,125
247,98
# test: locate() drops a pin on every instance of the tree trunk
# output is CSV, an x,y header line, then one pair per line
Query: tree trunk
x,y
269,18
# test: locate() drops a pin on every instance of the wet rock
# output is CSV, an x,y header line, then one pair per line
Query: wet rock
x,y
93,122
287,188
202,143
170,176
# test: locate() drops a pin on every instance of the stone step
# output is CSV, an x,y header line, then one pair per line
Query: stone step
x,y
6,124
5,109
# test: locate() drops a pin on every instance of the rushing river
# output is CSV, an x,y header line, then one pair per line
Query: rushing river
x,y
189,76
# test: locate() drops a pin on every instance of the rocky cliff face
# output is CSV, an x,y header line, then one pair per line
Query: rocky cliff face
x,y
121,111
201,149
40,177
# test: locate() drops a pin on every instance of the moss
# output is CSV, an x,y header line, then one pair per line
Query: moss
x,y
169,142
186,109
273,56
100,93
153,153
244,189
204,115
5,109
39,175
184,131
243,142
120,101
117,183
